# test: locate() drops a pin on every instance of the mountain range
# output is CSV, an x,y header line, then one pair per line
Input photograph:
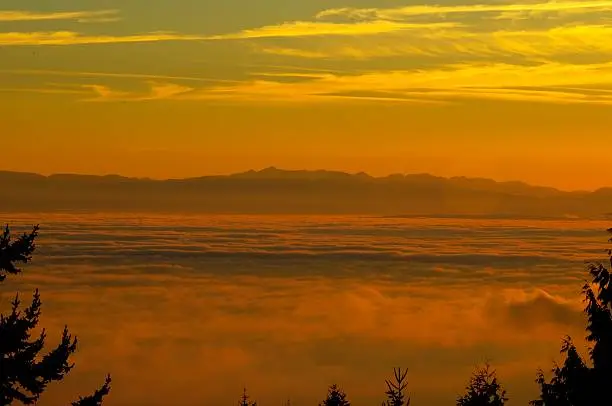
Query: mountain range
x,y
277,191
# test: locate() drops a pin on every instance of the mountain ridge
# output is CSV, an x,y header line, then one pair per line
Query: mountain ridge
x,y
277,191
273,172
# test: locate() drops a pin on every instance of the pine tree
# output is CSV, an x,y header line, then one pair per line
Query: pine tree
x,y
335,397
576,383
570,384
396,389
24,373
483,389
244,399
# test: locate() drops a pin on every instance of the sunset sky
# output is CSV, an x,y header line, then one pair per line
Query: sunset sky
x,y
501,89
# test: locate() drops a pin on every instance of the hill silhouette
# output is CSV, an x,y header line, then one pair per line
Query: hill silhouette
x,y
277,191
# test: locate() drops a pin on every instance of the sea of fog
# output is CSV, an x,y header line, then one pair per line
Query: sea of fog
x,y
186,310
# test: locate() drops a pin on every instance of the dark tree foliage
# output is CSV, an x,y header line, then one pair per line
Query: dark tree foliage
x,y
335,397
24,372
570,384
97,397
576,383
396,395
483,390
12,251
244,400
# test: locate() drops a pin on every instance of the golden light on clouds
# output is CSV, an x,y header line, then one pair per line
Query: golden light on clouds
x,y
308,28
429,55
440,313
552,82
80,16
378,33
74,38
437,10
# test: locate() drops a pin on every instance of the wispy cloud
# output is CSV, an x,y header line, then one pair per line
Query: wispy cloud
x,y
293,52
508,61
74,38
549,82
44,90
80,16
310,28
120,75
157,91
498,81
423,10
554,42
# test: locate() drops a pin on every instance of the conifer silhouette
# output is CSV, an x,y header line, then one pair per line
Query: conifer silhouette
x,y
335,397
483,389
244,399
576,383
396,389
24,373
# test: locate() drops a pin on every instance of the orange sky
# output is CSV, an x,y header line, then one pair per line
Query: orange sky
x,y
512,91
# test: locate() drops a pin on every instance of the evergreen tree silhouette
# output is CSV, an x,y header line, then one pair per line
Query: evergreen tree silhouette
x,y
576,383
97,397
244,399
335,397
24,373
483,390
570,384
396,389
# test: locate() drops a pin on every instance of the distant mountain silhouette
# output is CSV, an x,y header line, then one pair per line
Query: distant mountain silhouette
x,y
278,191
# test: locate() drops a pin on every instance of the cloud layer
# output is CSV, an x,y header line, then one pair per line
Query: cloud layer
x,y
545,52
287,305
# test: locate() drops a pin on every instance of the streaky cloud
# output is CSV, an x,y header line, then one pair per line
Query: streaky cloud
x,y
548,44
79,16
38,38
421,10
158,91
310,29
119,75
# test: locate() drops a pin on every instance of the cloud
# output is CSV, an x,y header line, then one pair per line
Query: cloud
x,y
436,10
118,75
540,80
540,307
546,82
565,41
309,29
79,16
543,82
44,90
293,52
73,38
433,31
157,91
322,322
408,249
149,269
